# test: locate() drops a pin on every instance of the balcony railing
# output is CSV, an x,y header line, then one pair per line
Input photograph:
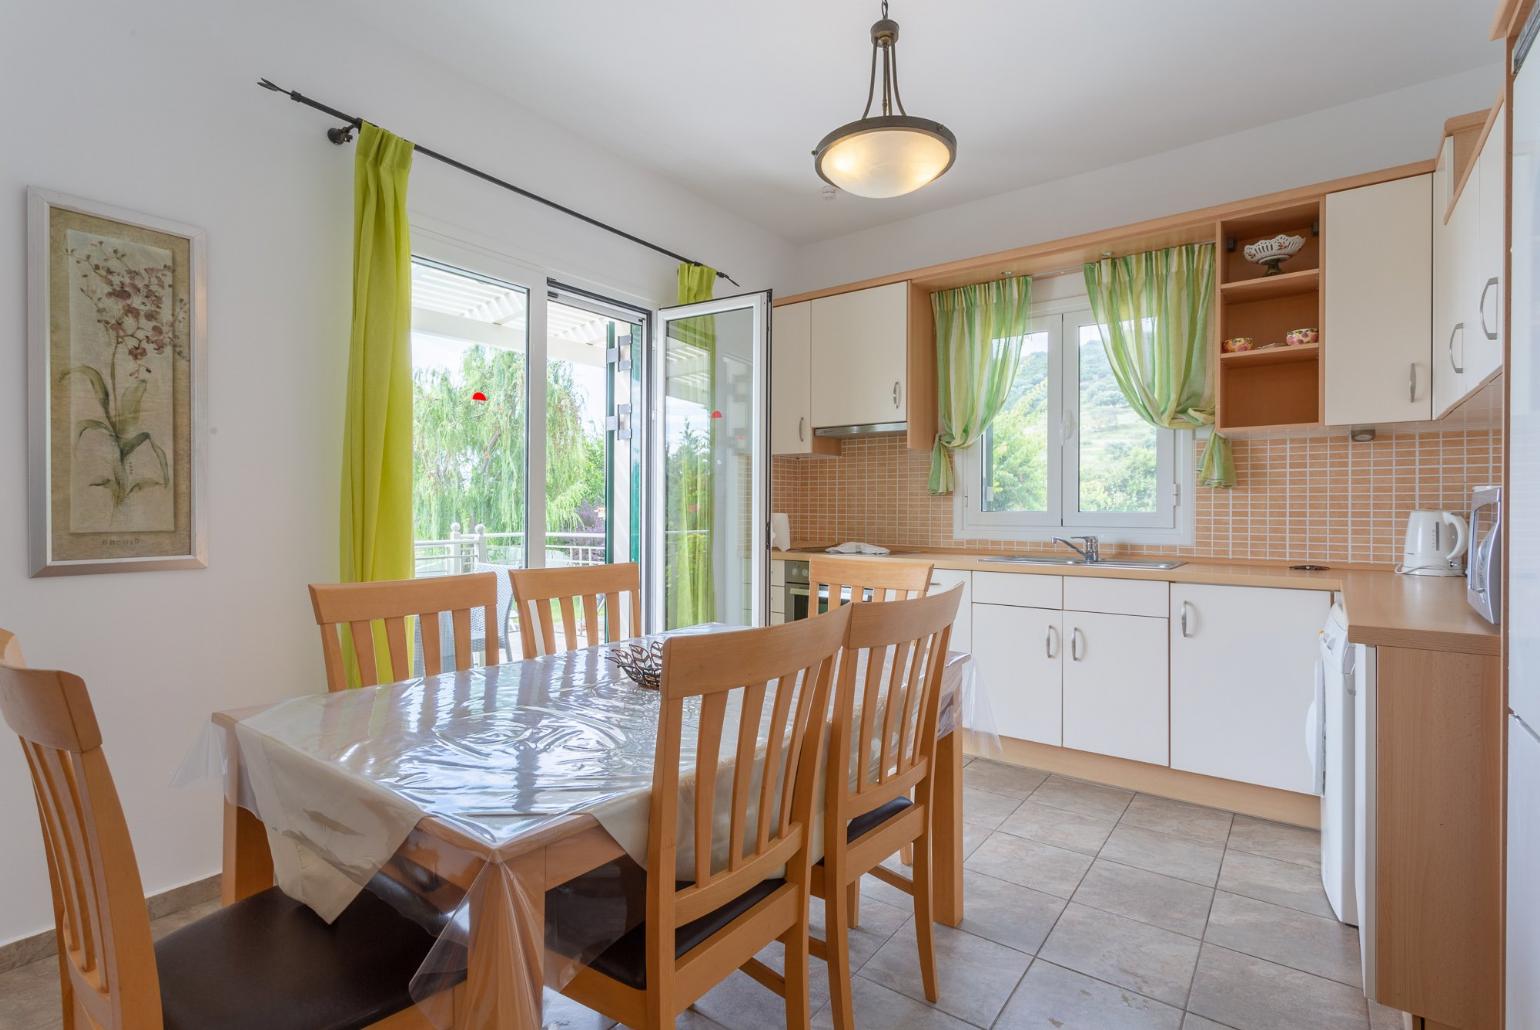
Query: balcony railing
x,y
464,550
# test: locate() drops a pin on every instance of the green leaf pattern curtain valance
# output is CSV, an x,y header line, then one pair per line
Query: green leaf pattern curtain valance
x,y
979,332
1154,310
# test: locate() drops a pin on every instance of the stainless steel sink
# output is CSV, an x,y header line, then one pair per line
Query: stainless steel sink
x,y
1106,563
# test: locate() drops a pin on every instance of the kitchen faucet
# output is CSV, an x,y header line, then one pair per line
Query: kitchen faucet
x,y
1091,552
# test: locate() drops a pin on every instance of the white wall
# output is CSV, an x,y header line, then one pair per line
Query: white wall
x,y
1379,132
154,107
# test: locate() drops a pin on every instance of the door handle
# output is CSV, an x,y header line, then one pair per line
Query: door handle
x,y
1411,383
1051,642
1482,307
1075,638
1459,327
897,392
802,429
1186,607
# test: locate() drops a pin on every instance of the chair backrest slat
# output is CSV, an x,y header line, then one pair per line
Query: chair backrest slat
x,y
357,608
540,594
886,579
708,757
743,772
104,925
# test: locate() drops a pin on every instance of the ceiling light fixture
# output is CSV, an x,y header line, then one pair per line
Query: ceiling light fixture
x,y
885,155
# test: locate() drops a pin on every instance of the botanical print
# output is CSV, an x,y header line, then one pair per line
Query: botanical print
x,y
126,324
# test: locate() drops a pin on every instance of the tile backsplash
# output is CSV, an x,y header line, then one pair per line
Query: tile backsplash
x,y
1316,498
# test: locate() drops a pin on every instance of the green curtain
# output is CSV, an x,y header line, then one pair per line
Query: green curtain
x,y
1154,310
690,596
979,332
377,421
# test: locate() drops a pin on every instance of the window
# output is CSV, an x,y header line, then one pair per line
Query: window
x,y
1066,454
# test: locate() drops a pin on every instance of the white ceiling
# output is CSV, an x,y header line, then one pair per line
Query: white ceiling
x,y
729,98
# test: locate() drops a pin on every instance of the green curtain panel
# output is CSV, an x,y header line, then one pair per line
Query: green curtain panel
x,y
1154,310
377,421
690,595
979,331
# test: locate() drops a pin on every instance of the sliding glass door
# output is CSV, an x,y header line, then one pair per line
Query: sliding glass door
x,y
709,475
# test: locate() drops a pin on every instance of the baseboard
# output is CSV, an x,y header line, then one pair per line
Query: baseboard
x,y
26,950
1282,806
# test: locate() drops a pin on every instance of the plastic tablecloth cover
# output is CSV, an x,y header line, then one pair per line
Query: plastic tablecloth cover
x,y
341,779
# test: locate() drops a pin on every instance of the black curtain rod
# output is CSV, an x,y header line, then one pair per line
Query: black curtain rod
x,y
340,136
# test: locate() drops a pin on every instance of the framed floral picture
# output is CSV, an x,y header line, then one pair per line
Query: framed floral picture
x,y
116,385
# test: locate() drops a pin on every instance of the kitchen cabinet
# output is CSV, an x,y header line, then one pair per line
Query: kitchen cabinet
x,y
1484,352
1378,281
791,402
1242,681
962,628
1115,699
1019,653
1468,250
860,356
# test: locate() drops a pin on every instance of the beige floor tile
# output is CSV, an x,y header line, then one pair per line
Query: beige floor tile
x,y
1008,913
879,921
1153,962
1268,879
1080,796
974,977
740,1003
1002,778
29,997
1314,944
1193,860
1193,1021
984,808
561,1013
1179,818
1383,1017
1180,906
1256,994
876,1006
1053,998
1060,827
1042,867
1276,840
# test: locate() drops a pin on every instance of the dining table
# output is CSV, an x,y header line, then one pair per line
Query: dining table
x,y
463,798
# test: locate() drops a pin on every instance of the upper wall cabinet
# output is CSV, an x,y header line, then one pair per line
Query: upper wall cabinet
x,y
1379,303
791,398
860,357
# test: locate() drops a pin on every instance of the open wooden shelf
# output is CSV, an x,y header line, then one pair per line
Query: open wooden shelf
x,y
1286,284
1271,356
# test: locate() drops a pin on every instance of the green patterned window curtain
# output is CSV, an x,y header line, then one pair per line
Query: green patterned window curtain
x,y
376,530
979,331
690,593
1154,311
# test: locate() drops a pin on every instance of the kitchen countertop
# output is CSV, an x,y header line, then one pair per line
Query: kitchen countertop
x,y
1383,608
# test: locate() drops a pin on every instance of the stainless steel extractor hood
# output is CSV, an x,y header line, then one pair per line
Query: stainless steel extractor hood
x,y
869,429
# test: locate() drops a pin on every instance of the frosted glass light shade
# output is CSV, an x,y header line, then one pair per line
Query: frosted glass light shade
x,y
886,156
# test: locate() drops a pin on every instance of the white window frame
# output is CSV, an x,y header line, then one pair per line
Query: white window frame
x,y
1171,523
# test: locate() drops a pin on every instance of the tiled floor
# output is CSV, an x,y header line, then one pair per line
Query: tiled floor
x,y
1088,907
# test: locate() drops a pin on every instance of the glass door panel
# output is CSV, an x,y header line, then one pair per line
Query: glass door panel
x,y
710,473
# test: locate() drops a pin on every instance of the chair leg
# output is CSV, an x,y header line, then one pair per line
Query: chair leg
x,y
798,1007
923,926
836,917
853,903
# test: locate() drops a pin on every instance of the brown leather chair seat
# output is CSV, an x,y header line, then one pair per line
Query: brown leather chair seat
x,y
269,961
876,817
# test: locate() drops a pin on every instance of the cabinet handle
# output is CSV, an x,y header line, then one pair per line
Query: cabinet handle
x,y
1075,637
1051,642
1459,327
896,393
1482,307
802,429
1186,607
1411,383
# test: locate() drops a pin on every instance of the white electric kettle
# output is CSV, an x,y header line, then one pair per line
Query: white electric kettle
x,y
1435,544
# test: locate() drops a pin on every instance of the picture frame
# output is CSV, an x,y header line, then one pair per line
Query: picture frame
x,y
117,385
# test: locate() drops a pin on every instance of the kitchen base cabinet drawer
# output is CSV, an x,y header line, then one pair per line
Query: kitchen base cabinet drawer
x,y
1117,596
1115,688
1024,589
1017,653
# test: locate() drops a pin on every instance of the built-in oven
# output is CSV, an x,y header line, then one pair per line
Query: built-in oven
x,y
798,597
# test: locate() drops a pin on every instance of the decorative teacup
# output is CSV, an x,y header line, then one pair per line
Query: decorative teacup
x,y
1239,343
1300,337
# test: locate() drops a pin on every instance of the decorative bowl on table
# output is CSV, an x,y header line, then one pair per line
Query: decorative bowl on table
x,y
1274,252
1236,344
642,663
1301,337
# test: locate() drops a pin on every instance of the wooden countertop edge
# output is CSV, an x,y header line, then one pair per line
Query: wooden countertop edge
x,y
1384,609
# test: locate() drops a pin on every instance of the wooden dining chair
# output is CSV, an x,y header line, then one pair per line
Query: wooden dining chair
x,y
10,648
868,580
354,608
263,962
534,590
696,932
884,735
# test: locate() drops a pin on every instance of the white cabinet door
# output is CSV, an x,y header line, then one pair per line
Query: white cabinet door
x,y
791,377
1484,347
1460,281
860,356
1018,653
1115,697
1447,322
962,629
1378,280
1523,875
1242,680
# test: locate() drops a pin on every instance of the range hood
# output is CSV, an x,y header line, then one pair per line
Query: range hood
x,y
870,429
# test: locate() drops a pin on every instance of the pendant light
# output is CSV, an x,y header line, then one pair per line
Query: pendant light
x,y
885,155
